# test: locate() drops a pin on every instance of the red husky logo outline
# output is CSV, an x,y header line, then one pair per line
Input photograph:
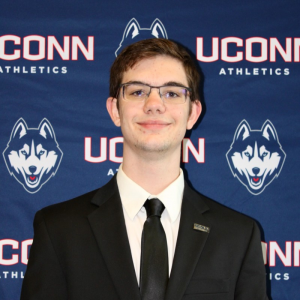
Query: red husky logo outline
x,y
32,155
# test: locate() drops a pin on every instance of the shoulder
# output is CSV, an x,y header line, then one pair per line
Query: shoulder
x,y
220,215
227,226
75,209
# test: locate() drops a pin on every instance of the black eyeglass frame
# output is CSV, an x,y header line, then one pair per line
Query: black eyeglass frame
x,y
152,86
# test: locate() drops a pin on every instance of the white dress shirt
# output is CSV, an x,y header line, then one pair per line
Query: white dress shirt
x,y
133,198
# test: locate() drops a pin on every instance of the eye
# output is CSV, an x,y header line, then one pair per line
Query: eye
x,y
247,154
135,92
41,152
264,154
176,94
23,152
171,94
138,93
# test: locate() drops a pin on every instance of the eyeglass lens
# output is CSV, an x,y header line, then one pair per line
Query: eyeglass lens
x,y
140,92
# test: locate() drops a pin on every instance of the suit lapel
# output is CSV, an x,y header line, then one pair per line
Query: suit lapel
x,y
108,226
190,243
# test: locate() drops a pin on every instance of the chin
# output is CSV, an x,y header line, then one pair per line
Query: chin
x,y
153,146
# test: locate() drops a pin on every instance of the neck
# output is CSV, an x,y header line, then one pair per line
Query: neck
x,y
151,173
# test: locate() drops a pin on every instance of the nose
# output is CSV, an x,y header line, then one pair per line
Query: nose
x,y
255,170
32,169
154,104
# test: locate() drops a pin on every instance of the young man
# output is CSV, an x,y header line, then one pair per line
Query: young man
x,y
146,234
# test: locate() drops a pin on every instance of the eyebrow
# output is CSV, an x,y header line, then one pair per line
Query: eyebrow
x,y
170,83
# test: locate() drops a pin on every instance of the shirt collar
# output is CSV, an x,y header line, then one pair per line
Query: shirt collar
x,y
133,196
171,197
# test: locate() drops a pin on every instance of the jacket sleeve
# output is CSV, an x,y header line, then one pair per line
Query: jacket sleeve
x,y
251,283
44,278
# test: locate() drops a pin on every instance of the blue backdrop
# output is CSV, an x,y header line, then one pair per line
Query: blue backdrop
x,y
54,68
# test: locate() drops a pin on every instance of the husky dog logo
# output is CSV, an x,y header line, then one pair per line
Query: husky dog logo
x,y
255,156
32,155
133,33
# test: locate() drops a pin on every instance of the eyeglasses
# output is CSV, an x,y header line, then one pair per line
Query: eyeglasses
x,y
138,92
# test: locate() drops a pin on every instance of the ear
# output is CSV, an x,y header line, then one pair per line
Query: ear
x,y
158,29
46,129
132,28
195,112
268,131
243,131
111,105
20,129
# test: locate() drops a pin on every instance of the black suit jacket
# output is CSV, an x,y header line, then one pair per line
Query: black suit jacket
x,y
81,252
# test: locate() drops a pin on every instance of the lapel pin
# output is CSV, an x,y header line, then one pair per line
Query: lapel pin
x,y
201,228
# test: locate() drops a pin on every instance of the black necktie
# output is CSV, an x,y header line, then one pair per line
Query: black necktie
x,y
154,256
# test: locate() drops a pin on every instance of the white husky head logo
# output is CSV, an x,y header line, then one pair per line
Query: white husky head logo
x,y
32,155
133,33
255,156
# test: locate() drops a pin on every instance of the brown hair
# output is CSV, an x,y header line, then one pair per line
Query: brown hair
x,y
144,49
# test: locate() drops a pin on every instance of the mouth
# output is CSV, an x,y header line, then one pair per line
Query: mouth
x,y
32,179
153,124
256,180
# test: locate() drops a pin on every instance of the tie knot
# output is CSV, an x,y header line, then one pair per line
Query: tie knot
x,y
154,207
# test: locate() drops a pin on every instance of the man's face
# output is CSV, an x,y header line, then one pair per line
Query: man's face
x,y
152,126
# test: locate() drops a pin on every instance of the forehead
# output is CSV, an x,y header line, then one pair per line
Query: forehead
x,y
157,71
